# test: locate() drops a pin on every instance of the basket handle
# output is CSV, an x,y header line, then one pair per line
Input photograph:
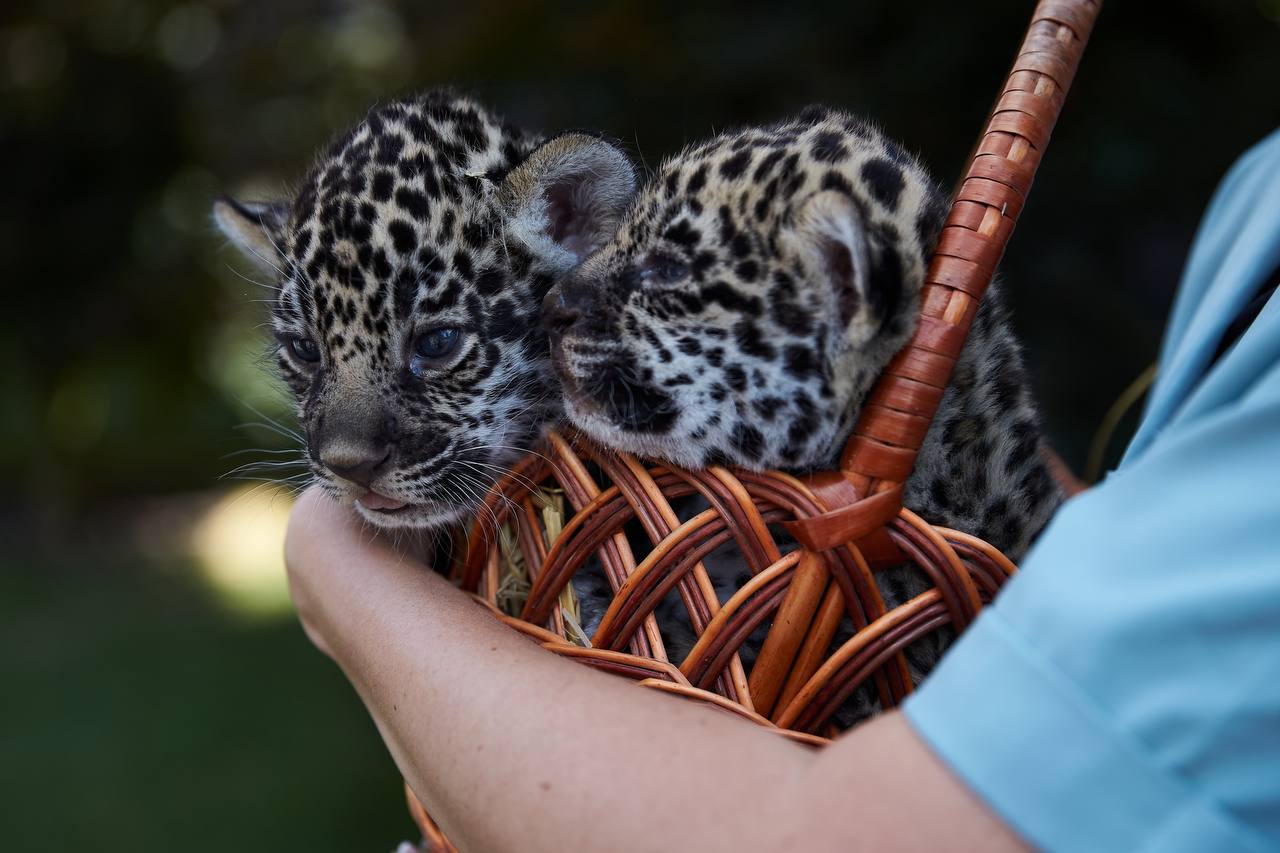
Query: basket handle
x,y
877,460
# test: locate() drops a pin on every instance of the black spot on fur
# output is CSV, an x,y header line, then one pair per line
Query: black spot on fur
x,y
766,165
751,341
731,299
445,298
633,406
682,234
474,235
696,181
800,361
761,209
505,323
716,457
490,282
838,182
884,285
884,180
767,407
414,203
689,346
405,291
728,231
748,440
462,264
929,222
702,262
735,165
788,315
1026,445
828,147
403,237
429,262
389,148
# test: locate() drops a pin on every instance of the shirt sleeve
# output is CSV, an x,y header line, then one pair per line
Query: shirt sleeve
x,y
1123,692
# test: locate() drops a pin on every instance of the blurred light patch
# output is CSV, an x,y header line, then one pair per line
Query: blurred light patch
x,y
241,364
156,244
185,200
370,36
79,409
302,53
35,57
239,544
188,35
283,123
116,26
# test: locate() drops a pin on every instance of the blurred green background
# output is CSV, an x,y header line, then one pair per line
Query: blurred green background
x,y
155,693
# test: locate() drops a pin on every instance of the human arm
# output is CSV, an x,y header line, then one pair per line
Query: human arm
x,y
511,747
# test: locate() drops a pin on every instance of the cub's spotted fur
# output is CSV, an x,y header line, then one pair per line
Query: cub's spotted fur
x,y
411,265
753,292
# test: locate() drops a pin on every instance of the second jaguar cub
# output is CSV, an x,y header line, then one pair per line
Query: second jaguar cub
x,y
753,292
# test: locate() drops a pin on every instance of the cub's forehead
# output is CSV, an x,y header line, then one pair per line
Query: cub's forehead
x,y
754,176
412,174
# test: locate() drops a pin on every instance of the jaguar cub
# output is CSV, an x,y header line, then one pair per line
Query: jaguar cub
x,y
752,293
410,267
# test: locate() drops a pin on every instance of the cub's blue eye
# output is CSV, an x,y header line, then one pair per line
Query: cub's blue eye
x,y
303,349
435,344
662,269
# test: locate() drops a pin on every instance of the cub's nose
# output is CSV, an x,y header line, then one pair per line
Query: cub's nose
x,y
558,316
359,463
355,440
566,304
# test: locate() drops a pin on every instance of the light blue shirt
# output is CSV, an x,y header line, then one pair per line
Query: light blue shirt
x,y
1123,692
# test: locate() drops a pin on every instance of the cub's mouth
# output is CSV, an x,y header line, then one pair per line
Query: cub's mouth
x,y
375,502
602,385
443,489
392,513
567,362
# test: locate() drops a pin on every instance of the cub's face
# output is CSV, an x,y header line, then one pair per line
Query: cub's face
x,y
751,295
410,271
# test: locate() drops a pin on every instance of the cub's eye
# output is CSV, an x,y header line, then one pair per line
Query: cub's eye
x,y
661,268
433,345
303,349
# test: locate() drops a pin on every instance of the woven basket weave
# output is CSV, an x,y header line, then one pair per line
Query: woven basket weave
x,y
848,522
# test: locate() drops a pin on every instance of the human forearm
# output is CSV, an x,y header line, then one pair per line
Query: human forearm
x,y
511,747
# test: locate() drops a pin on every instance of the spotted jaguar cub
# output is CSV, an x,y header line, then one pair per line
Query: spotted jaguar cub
x,y
753,292
410,268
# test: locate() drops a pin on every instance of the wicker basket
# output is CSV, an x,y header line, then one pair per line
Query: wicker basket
x,y
847,522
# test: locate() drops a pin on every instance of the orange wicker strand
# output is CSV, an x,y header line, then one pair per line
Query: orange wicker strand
x,y
432,838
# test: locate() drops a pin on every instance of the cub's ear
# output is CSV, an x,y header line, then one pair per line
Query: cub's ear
x,y
256,228
564,200
831,234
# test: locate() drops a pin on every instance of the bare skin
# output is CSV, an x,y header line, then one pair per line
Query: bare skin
x,y
510,747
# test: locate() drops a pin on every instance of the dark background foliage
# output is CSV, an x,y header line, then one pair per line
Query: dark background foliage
x,y
147,713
